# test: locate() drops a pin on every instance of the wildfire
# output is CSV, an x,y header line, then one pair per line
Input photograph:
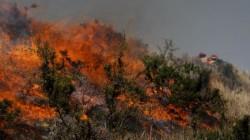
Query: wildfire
x,y
93,43
18,67
29,112
84,117
156,111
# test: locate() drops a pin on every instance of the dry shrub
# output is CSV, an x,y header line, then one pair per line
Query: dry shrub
x,y
237,101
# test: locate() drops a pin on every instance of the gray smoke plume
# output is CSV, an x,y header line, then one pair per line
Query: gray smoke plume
x,y
14,21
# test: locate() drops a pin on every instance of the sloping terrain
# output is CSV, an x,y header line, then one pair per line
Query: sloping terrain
x,y
91,82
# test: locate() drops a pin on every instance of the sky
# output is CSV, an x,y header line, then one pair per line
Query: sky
x,y
219,27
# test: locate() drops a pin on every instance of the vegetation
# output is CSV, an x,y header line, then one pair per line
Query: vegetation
x,y
5,113
7,117
189,85
241,130
117,90
185,85
125,119
229,75
57,82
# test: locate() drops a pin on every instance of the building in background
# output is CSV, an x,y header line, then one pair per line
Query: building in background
x,y
208,60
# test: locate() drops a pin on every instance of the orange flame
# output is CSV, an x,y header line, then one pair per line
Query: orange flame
x,y
94,43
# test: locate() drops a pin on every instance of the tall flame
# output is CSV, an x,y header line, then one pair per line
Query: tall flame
x,y
93,43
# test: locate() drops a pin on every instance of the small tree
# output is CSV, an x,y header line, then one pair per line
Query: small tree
x,y
56,80
118,84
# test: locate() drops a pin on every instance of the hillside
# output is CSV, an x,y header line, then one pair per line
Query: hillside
x,y
89,81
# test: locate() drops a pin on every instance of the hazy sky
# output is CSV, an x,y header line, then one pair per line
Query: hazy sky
x,y
213,26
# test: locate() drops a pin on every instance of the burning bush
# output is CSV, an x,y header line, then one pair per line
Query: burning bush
x,y
137,94
119,119
56,84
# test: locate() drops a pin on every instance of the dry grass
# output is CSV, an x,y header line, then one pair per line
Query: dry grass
x,y
237,101
237,104
181,135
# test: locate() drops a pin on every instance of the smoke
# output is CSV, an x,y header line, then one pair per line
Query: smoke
x,y
14,22
125,16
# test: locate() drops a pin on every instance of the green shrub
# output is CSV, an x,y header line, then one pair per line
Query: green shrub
x,y
56,77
